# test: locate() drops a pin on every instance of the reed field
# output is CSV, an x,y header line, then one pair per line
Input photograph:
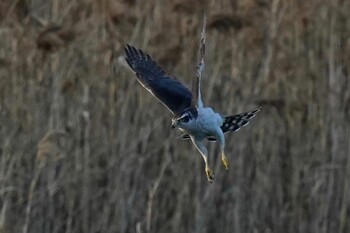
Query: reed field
x,y
85,148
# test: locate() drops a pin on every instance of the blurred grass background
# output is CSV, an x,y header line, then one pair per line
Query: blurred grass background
x,y
84,148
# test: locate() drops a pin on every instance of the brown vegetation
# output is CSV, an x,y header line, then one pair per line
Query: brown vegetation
x,y
84,148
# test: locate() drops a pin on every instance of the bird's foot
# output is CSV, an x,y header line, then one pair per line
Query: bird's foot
x,y
210,174
224,161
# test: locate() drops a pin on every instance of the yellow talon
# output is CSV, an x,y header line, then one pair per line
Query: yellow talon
x,y
210,174
224,161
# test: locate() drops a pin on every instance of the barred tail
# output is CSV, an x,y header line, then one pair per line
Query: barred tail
x,y
234,123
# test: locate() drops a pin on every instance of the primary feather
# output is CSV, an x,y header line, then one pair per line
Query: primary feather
x,y
175,96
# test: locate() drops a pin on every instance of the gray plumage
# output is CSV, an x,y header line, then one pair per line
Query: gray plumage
x,y
189,114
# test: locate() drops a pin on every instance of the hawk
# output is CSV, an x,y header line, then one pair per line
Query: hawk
x,y
196,121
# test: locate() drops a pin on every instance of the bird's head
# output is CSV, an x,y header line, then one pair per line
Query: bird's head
x,y
184,119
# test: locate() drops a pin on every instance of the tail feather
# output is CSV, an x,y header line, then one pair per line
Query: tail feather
x,y
235,122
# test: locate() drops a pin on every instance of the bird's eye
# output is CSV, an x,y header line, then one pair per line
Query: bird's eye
x,y
185,119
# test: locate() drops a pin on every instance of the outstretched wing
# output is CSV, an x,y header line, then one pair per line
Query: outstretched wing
x,y
175,96
196,82
235,122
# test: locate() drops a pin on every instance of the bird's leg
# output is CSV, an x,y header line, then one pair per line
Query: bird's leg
x,y
204,152
209,172
222,149
224,159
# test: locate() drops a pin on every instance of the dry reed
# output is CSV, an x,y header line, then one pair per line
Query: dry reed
x,y
83,148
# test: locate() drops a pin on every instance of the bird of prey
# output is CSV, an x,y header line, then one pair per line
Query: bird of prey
x,y
189,114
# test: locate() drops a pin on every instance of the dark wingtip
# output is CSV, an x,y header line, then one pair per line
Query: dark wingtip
x,y
127,50
132,52
128,55
128,61
128,46
142,54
